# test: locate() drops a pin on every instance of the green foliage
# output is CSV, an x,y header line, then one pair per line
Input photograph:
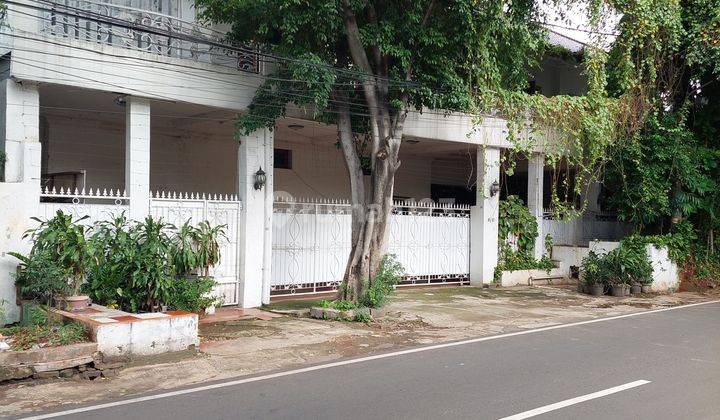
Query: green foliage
x,y
197,248
115,249
515,221
627,264
61,240
517,230
663,171
382,286
208,248
364,317
151,268
129,265
40,278
44,331
340,305
192,294
452,48
185,253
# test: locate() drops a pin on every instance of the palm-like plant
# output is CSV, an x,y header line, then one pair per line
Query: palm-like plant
x,y
208,246
62,240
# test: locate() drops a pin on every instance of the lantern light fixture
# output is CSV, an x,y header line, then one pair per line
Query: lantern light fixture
x,y
494,188
260,179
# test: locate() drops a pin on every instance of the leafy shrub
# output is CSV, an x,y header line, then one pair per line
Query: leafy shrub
x,y
389,274
344,305
41,278
192,294
127,264
363,317
62,241
113,244
151,266
627,264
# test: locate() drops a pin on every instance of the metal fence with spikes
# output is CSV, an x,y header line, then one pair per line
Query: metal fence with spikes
x,y
95,203
311,243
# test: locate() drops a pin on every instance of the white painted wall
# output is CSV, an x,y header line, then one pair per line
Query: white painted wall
x,y
203,159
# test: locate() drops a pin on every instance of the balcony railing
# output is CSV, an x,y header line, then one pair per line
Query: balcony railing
x,y
143,30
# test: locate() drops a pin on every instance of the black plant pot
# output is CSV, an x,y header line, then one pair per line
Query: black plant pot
x,y
635,289
596,289
619,290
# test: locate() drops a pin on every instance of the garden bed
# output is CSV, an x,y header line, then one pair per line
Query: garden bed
x,y
120,334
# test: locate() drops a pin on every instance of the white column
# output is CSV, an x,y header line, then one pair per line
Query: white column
x,y
137,156
484,218
255,242
536,165
20,193
20,131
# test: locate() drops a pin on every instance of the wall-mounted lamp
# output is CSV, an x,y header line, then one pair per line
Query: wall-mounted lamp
x,y
260,179
494,188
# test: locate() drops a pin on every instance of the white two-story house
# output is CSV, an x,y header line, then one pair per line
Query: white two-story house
x,y
129,105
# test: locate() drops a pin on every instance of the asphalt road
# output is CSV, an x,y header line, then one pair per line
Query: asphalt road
x,y
677,351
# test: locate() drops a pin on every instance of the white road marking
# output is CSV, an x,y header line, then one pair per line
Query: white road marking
x,y
346,362
576,400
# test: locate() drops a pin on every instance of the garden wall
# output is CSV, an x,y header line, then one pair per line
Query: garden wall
x,y
665,274
18,202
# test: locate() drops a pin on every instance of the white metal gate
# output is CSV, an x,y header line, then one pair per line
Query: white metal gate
x,y
216,210
311,244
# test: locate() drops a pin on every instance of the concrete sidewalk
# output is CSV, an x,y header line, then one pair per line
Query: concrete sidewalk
x,y
418,316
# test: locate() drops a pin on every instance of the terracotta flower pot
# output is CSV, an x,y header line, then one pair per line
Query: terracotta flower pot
x,y
77,303
646,288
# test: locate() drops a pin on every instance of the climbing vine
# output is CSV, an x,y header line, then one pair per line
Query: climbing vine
x,y
517,230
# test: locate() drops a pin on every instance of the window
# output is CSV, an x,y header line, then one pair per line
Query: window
x,y
283,159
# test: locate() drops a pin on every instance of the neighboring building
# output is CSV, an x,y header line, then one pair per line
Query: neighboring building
x,y
130,105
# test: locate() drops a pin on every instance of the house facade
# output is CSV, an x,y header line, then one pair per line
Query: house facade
x,y
129,106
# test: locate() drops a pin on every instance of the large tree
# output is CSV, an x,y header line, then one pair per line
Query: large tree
x,y
363,64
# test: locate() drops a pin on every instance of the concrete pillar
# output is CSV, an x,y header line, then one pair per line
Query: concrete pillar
x,y
20,131
20,193
536,164
255,242
484,218
137,156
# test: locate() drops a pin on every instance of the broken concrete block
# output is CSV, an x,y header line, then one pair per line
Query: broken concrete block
x,y
50,374
91,374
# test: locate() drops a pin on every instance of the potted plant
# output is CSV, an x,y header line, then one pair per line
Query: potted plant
x,y
592,273
61,241
646,287
635,289
620,289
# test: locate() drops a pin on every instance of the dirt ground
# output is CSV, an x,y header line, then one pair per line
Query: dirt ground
x,y
414,317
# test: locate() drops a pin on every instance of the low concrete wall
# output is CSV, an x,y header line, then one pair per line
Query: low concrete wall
x,y
569,255
121,334
525,277
603,247
18,202
666,277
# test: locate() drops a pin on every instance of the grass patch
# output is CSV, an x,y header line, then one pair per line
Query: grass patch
x,y
49,335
